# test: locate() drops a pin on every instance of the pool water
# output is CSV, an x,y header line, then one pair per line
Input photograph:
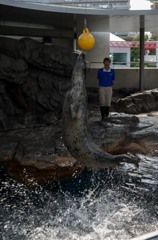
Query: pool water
x,y
104,204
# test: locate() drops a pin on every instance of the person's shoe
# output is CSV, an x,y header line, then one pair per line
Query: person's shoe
x,y
107,110
102,111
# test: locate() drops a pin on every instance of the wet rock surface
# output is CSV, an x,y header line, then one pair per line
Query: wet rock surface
x,y
34,79
38,153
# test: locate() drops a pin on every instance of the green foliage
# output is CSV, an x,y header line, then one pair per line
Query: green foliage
x,y
155,38
150,65
135,53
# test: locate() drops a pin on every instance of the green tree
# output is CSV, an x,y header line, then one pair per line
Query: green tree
x,y
135,53
154,38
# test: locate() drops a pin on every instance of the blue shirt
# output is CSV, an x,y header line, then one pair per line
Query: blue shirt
x,y
106,78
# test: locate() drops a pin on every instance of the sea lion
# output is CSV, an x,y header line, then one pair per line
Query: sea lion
x,y
76,136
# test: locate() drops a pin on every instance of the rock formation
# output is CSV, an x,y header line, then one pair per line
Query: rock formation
x,y
140,102
33,81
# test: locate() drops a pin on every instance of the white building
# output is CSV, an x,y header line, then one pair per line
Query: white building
x,y
119,51
154,4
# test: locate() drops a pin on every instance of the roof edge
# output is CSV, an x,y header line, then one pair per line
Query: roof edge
x,y
77,10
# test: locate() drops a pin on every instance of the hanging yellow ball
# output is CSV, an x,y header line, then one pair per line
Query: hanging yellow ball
x,y
86,41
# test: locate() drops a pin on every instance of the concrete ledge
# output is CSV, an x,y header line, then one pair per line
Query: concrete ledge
x,y
126,78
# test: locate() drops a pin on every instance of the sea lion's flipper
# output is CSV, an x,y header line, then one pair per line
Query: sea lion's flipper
x,y
74,109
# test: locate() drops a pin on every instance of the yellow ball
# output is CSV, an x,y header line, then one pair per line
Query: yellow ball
x,y
86,40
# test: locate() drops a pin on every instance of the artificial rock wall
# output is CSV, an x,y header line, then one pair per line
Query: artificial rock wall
x,y
33,81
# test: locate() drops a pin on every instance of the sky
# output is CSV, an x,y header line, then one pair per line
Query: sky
x,y
139,4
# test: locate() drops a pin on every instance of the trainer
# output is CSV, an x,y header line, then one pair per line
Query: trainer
x,y
105,76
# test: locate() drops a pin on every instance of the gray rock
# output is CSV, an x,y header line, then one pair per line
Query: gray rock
x,y
141,102
34,79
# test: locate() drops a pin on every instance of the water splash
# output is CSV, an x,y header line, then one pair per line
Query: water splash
x,y
95,205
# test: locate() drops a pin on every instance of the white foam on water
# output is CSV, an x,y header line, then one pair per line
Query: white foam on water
x,y
110,217
104,208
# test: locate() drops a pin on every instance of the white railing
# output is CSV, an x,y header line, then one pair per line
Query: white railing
x,y
124,64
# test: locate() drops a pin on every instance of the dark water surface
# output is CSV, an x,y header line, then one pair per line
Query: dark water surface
x,y
106,204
